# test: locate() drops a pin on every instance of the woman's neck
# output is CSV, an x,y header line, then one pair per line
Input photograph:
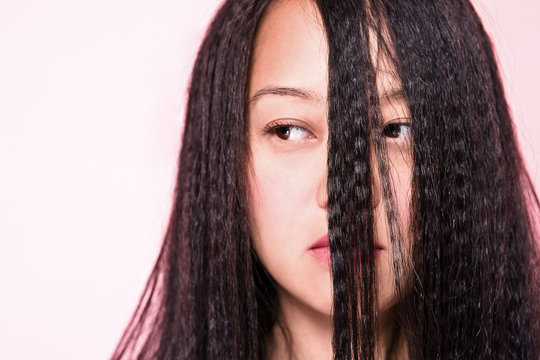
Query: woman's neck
x,y
302,333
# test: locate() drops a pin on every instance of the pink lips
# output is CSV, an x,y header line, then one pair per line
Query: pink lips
x,y
320,250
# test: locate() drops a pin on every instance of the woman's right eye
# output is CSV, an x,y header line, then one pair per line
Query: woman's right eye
x,y
289,132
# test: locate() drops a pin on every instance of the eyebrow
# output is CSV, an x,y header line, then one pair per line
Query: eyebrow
x,y
285,91
393,93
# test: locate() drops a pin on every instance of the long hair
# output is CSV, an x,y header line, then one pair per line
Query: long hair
x,y
472,288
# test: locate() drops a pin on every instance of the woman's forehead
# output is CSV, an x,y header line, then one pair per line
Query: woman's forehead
x,y
290,51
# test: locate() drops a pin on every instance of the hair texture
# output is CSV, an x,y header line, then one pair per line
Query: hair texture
x,y
472,284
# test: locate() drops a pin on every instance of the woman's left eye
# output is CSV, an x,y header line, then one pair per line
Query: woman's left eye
x,y
397,131
289,132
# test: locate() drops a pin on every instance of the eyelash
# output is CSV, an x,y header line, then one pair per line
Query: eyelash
x,y
272,129
390,127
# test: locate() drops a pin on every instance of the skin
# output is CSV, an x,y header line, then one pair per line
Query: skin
x,y
288,176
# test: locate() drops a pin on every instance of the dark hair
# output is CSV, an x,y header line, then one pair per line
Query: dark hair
x,y
474,285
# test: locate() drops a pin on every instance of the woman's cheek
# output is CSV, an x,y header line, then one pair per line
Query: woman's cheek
x,y
284,182
403,186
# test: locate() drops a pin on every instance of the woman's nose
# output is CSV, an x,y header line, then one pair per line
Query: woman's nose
x,y
322,191
376,191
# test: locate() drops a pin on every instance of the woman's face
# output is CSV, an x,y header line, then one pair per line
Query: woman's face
x,y
288,127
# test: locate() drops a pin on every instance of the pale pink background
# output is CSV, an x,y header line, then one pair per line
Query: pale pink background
x,y
91,104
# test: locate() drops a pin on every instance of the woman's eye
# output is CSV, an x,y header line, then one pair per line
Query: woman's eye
x,y
290,132
397,131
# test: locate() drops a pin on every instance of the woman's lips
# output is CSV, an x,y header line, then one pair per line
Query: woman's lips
x,y
320,250
321,253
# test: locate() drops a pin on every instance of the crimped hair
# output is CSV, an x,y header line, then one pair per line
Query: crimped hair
x,y
472,288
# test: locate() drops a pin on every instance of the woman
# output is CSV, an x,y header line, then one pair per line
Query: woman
x,y
349,186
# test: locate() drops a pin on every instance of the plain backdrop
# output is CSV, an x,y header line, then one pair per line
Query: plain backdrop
x,y
91,105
